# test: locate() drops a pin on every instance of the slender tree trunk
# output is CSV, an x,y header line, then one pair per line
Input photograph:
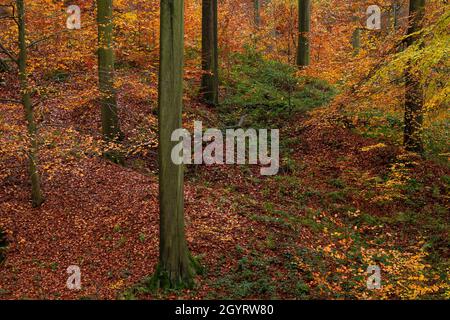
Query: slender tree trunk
x,y
356,40
36,192
304,22
3,246
395,12
175,267
414,98
257,16
209,89
110,120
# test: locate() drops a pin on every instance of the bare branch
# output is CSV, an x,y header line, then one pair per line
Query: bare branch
x,y
34,43
8,53
11,101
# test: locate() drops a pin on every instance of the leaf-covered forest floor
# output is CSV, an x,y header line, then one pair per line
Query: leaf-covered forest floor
x,y
340,203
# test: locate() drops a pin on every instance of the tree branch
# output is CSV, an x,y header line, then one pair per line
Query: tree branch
x,y
32,44
11,101
8,53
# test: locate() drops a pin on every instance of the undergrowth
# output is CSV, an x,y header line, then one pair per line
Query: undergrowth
x,y
261,92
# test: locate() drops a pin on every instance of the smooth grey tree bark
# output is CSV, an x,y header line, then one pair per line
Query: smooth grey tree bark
x,y
209,89
175,268
108,101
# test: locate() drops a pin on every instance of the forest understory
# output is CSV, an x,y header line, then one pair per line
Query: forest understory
x,y
340,202
347,195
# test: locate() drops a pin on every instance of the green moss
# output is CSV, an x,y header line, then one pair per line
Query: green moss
x,y
160,283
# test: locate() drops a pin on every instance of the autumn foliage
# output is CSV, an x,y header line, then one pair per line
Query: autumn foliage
x,y
348,194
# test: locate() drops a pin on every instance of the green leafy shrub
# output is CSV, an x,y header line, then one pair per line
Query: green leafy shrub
x,y
268,91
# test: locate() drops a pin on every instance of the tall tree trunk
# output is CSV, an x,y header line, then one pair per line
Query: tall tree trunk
x,y
110,120
175,268
304,22
396,6
209,89
414,98
257,16
36,192
356,40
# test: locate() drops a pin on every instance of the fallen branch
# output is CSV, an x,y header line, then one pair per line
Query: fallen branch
x,y
11,101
